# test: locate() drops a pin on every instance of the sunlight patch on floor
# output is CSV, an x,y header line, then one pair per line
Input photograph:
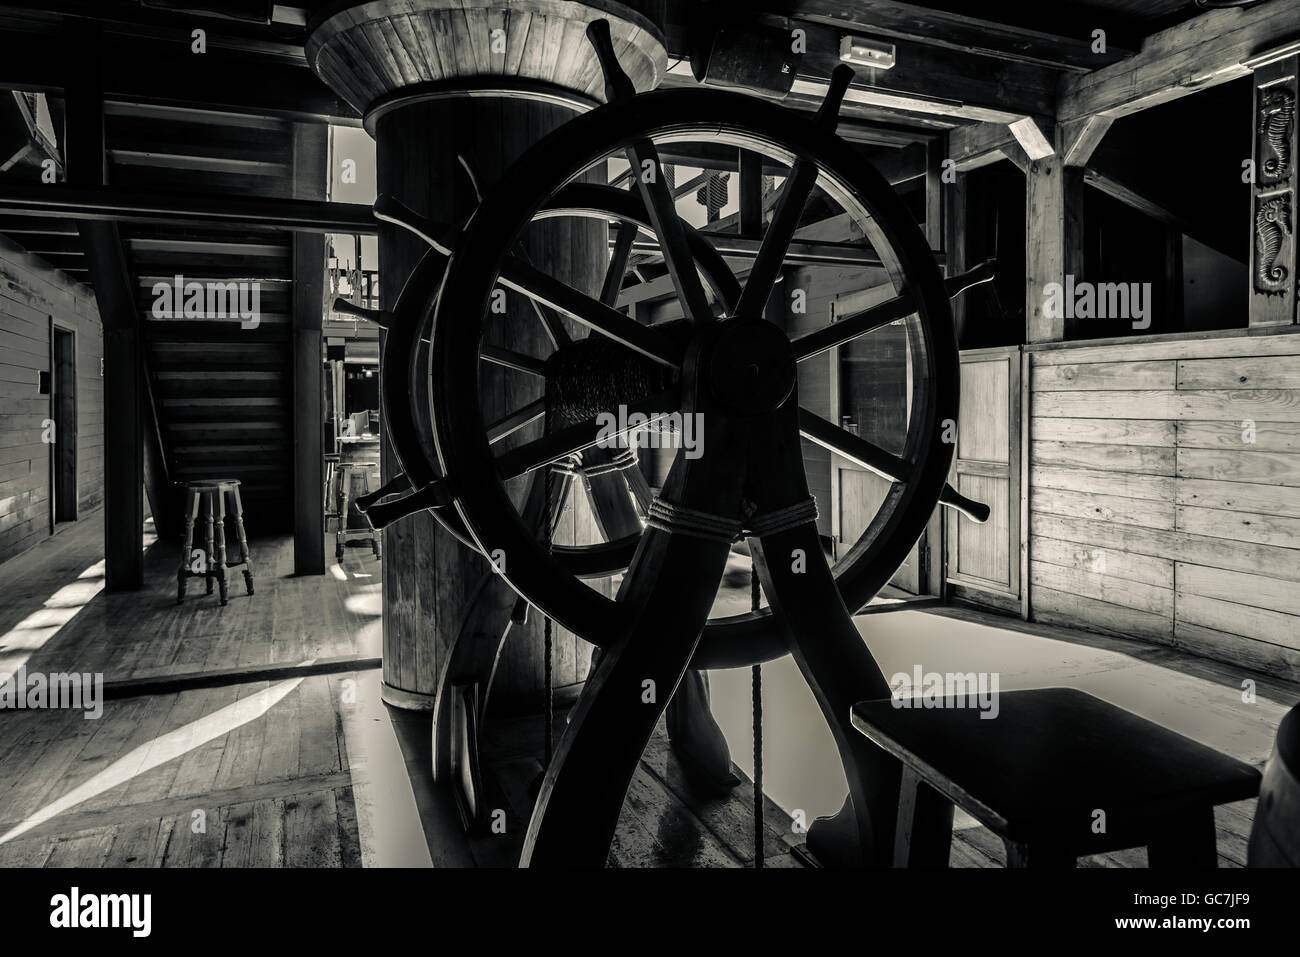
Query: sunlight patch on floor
x,y
33,632
160,750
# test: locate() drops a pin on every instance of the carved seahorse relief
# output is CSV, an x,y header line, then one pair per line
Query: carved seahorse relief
x,y
1272,227
1276,113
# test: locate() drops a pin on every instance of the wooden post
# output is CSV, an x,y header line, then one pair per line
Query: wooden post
x,y
1273,258
1053,240
123,351
429,576
310,161
932,574
750,191
487,90
954,245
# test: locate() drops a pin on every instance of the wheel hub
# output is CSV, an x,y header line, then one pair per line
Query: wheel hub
x,y
751,367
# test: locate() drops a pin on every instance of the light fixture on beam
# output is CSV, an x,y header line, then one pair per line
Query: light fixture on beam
x,y
873,53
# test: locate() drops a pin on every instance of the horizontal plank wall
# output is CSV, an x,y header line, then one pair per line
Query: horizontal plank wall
x,y
30,293
1164,494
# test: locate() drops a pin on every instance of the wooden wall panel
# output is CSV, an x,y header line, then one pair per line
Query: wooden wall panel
x,y
30,294
1165,493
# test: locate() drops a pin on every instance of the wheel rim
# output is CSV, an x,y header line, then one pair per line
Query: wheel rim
x,y
465,455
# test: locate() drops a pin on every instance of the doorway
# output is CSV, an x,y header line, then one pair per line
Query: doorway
x,y
871,382
63,413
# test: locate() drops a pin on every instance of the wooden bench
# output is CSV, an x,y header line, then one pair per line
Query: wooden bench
x,y
1057,774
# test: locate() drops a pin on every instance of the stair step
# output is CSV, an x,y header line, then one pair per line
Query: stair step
x,y
219,470
263,450
273,328
206,432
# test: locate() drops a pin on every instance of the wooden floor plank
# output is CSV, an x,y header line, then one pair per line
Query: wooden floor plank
x,y
87,849
276,789
31,853
318,744
198,768
198,838
280,746
349,835
255,834
311,830
729,818
138,844
244,745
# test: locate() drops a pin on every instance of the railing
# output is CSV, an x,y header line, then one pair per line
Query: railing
x,y
358,286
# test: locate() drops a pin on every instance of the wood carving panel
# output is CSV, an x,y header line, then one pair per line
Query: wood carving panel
x,y
1276,117
1272,237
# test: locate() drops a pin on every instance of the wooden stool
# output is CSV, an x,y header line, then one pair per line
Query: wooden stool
x,y
349,476
1057,774
209,497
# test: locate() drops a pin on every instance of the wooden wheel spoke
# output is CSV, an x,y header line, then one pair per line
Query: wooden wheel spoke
x,y
859,324
554,327
612,506
516,420
639,487
613,283
668,228
513,360
556,445
551,323
854,448
885,464
891,310
776,241
789,209
388,209
548,291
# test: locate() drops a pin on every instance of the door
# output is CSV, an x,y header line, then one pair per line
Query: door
x,y
63,413
984,561
871,397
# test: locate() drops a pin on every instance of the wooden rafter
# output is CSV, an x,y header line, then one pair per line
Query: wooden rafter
x,y
963,31
1209,49
1114,186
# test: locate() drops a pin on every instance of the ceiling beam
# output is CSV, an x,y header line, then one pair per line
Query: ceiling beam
x,y
143,206
217,80
925,81
1213,48
1082,137
953,31
128,18
981,144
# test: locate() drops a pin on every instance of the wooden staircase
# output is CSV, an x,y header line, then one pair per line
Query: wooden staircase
x,y
222,387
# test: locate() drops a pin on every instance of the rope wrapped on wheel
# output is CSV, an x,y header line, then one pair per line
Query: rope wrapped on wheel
x,y
669,517
572,464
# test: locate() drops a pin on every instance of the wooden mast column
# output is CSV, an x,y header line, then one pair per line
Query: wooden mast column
x,y
441,81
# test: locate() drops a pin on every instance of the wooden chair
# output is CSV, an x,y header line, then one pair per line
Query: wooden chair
x,y
209,498
1057,774
330,498
353,479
